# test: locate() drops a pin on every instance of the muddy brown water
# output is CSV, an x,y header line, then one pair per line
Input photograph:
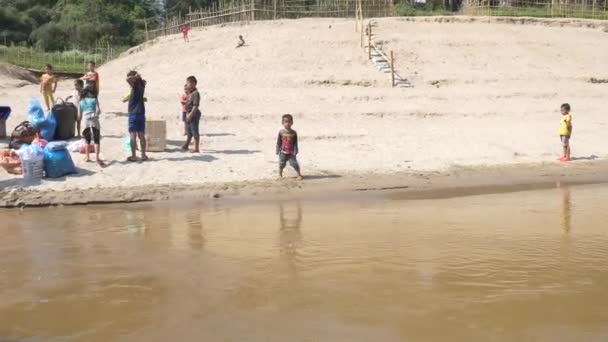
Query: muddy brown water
x,y
525,266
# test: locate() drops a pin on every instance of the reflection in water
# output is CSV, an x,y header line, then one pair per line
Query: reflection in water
x,y
195,229
484,268
566,211
290,235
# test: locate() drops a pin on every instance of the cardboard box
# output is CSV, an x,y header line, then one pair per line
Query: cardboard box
x,y
156,135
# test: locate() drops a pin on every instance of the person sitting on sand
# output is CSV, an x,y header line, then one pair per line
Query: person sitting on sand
x,y
287,146
89,107
241,42
137,115
565,131
193,116
48,85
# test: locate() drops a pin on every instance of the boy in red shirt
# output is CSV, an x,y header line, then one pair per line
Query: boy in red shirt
x,y
92,75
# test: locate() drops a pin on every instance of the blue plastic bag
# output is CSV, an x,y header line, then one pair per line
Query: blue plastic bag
x,y
46,124
30,151
57,146
57,161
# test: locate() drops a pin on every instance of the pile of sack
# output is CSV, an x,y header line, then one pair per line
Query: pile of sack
x,y
36,155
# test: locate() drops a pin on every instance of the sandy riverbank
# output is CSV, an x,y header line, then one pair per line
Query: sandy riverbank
x,y
458,181
486,97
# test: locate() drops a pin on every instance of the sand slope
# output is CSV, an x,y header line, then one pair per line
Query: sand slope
x,y
485,94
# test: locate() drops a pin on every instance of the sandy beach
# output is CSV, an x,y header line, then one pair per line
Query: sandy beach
x,y
485,100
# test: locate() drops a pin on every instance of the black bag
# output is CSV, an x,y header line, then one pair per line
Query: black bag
x,y
24,133
65,115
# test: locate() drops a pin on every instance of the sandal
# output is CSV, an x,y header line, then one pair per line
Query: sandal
x,y
132,159
144,158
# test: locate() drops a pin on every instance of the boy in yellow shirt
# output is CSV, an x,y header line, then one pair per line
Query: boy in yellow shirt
x,y
565,131
48,85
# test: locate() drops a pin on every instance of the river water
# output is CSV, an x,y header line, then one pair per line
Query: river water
x,y
524,266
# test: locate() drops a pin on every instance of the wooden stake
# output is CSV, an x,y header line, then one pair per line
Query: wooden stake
x,y
146,29
369,41
392,70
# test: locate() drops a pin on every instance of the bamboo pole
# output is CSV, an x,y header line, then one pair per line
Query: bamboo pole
x,y
392,69
147,35
369,41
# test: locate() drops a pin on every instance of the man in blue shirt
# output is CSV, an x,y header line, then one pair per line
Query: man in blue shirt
x,y
137,115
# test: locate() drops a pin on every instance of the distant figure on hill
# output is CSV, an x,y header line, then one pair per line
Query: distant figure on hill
x,y
92,75
185,30
48,85
241,42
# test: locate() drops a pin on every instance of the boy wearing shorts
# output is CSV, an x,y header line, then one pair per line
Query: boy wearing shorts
x,y
193,115
137,115
565,132
287,146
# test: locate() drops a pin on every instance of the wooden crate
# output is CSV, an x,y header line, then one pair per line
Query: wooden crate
x,y
156,135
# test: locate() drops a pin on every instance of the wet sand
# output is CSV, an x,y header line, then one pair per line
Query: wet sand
x,y
453,182
525,266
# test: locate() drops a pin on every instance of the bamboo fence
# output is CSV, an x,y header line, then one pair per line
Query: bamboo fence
x,y
227,11
584,9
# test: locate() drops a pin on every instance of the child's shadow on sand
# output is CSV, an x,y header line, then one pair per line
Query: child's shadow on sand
x,y
591,157
186,156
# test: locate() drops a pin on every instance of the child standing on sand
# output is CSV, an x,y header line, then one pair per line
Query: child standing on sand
x,y
183,100
89,106
92,75
185,31
48,85
75,99
565,131
193,115
287,146
137,115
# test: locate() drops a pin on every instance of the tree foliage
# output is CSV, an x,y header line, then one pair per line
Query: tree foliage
x,y
76,24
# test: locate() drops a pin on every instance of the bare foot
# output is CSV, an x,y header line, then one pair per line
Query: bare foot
x,y
144,157
87,159
300,178
195,151
101,163
185,148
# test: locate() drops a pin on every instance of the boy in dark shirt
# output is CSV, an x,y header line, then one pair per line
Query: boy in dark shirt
x,y
137,115
193,115
287,146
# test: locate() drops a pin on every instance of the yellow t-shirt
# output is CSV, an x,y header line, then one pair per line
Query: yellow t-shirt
x,y
565,124
47,82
